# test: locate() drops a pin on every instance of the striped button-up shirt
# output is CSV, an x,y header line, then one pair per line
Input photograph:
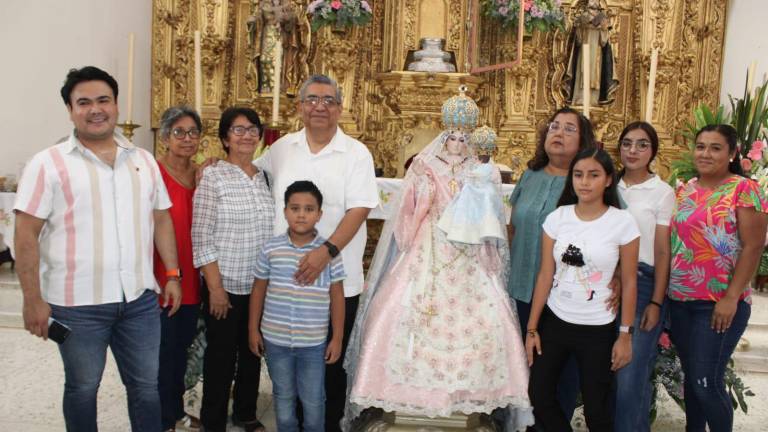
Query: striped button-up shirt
x,y
294,315
232,218
96,245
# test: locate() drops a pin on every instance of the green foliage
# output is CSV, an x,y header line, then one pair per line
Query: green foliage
x,y
750,117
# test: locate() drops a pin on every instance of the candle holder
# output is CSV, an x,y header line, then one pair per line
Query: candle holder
x,y
128,128
277,125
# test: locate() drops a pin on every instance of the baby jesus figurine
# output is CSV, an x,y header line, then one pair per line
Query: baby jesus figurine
x,y
476,214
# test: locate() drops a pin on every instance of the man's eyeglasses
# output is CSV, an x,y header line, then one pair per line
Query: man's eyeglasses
x,y
180,133
327,101
241,130
640,145
567,129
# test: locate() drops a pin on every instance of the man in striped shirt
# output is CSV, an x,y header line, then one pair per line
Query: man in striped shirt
x,y
88,210
293,329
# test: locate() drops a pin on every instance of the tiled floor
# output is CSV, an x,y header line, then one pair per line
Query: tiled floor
x,y
31,381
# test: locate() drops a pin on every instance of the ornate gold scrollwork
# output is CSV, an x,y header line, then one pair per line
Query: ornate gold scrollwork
x,y
382,103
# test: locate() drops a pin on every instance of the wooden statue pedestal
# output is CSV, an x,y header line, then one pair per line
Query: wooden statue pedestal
x,y
403,422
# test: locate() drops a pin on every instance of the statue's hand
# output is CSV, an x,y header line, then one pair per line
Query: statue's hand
x,y
419,167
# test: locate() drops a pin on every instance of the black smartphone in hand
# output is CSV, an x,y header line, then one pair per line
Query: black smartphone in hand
x,y
57,331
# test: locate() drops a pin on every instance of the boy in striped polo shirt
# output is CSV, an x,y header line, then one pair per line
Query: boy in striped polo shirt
x,y
293,329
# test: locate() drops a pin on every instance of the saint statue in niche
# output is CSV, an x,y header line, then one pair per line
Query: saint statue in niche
x,y
591,25
278,22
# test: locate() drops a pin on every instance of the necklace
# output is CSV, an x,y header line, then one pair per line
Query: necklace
x,y
453,184
179,176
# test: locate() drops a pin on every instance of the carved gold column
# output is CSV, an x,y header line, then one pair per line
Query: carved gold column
x,y
174,22
338,55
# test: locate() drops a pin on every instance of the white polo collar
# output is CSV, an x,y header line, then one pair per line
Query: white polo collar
x,y
651,183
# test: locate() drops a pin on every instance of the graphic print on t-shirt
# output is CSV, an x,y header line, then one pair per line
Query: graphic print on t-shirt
x,y
584,271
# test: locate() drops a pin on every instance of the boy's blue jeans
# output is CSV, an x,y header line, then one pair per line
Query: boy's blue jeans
x,y
132,331
297,372
704,355
633,381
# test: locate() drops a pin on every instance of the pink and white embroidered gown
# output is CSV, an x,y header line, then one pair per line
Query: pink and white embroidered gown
x,y
439,334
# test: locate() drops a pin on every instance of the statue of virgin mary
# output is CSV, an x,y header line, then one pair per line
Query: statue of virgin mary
x,y
436,333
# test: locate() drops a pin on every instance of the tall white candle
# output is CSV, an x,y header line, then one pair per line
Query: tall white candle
x,y
277,81
587,92
198,75
129,94
751,78
649,99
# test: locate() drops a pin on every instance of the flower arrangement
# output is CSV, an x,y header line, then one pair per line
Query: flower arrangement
x,y
339,13
668,374
543,15
749,116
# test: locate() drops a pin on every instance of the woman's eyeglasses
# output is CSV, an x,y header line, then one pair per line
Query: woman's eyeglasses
x,y
640,145
180,133
241,130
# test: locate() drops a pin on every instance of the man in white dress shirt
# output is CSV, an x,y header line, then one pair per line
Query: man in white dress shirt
x,y
342,168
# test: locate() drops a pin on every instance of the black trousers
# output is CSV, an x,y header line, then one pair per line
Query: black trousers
x,y
335,376
591,345
227,357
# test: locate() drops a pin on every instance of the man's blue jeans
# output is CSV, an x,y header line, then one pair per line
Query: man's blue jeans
x,y
704,355
633,381
132,331
297,372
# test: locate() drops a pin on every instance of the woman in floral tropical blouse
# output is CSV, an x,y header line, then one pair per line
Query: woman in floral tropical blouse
x,y
717,233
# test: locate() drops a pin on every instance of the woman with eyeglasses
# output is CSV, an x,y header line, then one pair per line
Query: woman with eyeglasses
x,y
535,196
717,232
180,131
233,217
650,200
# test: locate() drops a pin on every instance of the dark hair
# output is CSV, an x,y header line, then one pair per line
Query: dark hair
x,y
87,73
304,186
228,117
174,114
731,137
319,79
610,196
652,135
586,138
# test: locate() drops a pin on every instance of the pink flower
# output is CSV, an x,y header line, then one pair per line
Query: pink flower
x,y
503,10
664,340
364,4
756,152
527,5
746,164
335,5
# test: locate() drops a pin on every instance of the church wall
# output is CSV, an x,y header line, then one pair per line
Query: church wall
x,y
744,43
40,42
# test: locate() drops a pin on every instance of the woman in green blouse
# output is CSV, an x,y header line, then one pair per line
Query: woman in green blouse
x,y
534,197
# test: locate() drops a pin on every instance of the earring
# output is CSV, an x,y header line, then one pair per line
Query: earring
x,y
730,160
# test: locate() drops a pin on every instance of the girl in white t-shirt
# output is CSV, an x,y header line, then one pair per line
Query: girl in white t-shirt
x,y
583,241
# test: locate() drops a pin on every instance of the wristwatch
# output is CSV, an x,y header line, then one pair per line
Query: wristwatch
x,y
332,249
173,274
626,329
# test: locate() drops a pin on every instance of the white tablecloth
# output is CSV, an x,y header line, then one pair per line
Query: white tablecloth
x,y
7,218
388,187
